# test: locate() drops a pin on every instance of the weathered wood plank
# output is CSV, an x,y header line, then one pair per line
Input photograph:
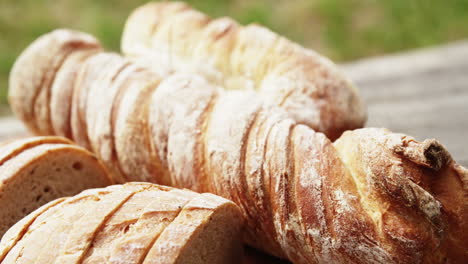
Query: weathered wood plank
x,y
422,93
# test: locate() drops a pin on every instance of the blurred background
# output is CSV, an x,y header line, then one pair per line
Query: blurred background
x,y
342,30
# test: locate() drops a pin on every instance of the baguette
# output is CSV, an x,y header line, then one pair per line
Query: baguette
x,y
373,196
105,226
36,104
36,170
171,36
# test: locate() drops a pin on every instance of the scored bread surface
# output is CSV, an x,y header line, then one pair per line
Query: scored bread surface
x,y
128,234
14,234
175,37
123,224
44,170
180,241
373,196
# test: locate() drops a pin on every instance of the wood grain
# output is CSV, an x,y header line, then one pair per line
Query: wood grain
x,y
423,94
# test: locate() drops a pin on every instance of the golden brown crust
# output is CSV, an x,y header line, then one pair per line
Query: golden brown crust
x,y
410,178
258,181
180,127
41,67
308,86
130,131
13,148
62,91
175,243
373,196
127,224
41,169
16,233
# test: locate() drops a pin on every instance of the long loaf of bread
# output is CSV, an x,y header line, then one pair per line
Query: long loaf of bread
x,y
171,36
131,223
372,196
37,170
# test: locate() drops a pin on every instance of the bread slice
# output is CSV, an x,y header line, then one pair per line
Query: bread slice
x,y
82,232
177,131
42,173
17,249
14,147
93,69
62,91
207,230
37,245
133,142
38,221
17,232
99,108
29,97
128,235
123,223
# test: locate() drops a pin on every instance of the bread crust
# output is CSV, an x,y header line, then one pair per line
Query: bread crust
x,y
83,231
62,91
11,149
98,111
25,186
18,250
307,85
178,235
16,233
131,134
33,106
373,196
120,224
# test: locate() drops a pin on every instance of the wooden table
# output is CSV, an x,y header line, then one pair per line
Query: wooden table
x,y
423,94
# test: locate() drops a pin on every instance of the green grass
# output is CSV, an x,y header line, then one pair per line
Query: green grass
x,y
343,30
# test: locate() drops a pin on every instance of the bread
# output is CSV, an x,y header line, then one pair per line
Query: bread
x,y
61,95
204,233
36,170
373,196
171,36
132,223
36,104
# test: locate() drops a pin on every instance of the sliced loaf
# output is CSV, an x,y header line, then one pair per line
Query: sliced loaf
x,y
37,170
130,223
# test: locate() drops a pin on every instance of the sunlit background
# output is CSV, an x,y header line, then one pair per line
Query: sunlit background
x,y
343,30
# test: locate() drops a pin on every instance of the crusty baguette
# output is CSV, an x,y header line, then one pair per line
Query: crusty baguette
x,y
97,109
373,196
36,103
172,35
129,112
61,95
121,223
34,171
